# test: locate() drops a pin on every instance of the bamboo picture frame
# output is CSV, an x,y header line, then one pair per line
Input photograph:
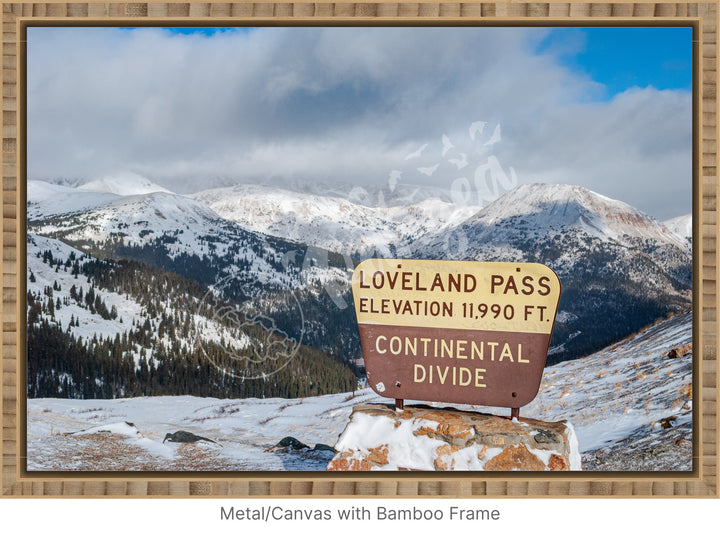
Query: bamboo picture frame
x,y
700,482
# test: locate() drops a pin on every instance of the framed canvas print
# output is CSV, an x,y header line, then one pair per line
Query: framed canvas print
x,y
398,249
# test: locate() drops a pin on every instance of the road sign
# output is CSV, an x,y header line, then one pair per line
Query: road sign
x,y
458,332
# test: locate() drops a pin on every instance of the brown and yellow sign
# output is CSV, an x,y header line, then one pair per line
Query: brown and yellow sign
x,y
459,332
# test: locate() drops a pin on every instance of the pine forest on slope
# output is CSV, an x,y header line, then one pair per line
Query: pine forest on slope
x,y
106,329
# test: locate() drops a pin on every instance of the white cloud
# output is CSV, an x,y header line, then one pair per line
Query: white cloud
x,y
342,104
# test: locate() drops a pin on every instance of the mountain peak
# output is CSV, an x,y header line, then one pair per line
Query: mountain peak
x,y
530,198
563,206
124,183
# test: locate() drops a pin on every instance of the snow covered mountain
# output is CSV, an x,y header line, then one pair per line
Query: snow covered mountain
x,y
125,183
332,222
183,236
536,211
566,226
371,195
169,231
47,200
682,226
620,269
507,229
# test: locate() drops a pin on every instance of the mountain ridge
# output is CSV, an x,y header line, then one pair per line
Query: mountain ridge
x,y
613,260
607,218
329,221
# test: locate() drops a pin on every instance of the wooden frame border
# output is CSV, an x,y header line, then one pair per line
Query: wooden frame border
x,y
702,481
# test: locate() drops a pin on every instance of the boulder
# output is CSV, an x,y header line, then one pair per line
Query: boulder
x,y
679,351
293,445
288,444
323,447
378,437
183,437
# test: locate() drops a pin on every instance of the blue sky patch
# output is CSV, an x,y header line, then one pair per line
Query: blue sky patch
x,y
623,58
209,31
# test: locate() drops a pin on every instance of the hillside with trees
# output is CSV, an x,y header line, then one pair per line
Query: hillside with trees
x,y
106,329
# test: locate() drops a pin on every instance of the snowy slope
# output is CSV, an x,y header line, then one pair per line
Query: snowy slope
x,y
103,210
125,183
682,226
135,219
45,276
630,405
171,225
331,222
624,390
48,200
552,206
183,236
42,277
539,211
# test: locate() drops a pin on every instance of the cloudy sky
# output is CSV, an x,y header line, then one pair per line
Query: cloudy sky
x,y
605,108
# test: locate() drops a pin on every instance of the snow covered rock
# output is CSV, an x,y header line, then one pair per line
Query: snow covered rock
x,y
422,438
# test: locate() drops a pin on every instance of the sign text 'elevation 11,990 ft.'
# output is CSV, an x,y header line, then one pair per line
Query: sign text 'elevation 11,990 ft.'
x,y
458,332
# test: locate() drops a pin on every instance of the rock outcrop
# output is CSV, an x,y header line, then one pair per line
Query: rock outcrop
x,y
423,438
679,351
184,437
293,445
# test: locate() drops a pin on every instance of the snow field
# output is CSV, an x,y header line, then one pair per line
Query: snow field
x,y
605,397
